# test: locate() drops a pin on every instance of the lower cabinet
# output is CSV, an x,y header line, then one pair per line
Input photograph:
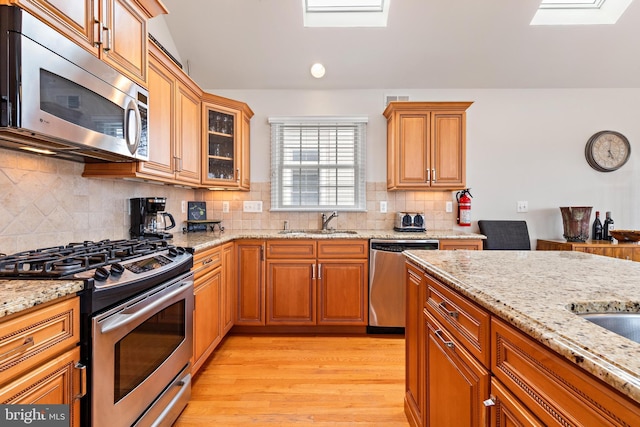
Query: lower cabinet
x,y
39,357
213,300
455,244
343,292
456,383
471,368
250,303
628,251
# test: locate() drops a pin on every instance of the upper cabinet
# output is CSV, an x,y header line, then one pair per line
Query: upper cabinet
x,y
426,145
225,139
113,30
174,129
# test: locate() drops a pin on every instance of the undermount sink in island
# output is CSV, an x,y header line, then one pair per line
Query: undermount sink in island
x,y
540,296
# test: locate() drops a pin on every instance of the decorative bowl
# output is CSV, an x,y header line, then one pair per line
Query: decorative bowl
x,y
626,235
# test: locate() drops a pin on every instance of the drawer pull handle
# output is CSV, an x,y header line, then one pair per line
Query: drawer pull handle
x,y
28,342
449,344
207,261
491,401
83,380
443,306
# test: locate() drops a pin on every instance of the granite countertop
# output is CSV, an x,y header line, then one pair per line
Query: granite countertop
x,y
203,240
18,295
536,291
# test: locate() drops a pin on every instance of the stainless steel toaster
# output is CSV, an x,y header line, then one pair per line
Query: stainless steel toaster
x,y
409,221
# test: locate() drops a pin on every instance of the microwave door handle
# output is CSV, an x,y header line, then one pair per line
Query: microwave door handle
x,y
139,310
133,131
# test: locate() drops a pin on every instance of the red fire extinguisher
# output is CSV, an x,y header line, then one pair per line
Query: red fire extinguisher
x,y
464,207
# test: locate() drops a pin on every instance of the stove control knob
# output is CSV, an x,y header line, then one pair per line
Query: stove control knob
x,y
174,252
180,249
101,274
117,270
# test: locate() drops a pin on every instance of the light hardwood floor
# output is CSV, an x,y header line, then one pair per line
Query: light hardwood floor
x,y
299,381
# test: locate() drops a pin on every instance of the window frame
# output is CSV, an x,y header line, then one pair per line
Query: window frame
x,y
359,126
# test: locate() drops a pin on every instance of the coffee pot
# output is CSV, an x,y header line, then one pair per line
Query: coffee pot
x,y
148,218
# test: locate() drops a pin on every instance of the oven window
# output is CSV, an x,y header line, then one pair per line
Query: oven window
x,y
76,104
144,349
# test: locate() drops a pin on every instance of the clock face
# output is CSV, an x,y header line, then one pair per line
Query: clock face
x,y
607,151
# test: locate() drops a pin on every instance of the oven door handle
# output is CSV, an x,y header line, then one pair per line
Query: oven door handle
x,y
139,310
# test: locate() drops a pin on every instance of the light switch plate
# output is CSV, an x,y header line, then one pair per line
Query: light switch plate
x,y
383,207
184,206
449,207
252,206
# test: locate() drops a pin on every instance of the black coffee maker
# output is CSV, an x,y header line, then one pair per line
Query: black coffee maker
x,y
148,218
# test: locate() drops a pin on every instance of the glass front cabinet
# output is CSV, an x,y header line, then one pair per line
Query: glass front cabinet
x,y
225,159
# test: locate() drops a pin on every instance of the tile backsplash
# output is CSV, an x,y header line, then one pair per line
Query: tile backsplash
x,y
432,203
46,202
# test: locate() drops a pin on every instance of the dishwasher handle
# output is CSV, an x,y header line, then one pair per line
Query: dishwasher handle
x,y
399,246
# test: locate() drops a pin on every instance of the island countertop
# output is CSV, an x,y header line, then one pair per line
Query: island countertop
x,y
539,292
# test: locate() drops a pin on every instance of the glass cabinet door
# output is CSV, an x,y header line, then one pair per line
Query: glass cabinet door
x,y
220,163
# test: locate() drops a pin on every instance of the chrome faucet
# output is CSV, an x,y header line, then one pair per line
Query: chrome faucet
x,y
325,220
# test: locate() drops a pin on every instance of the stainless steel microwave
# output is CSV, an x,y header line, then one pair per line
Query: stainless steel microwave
x,y
57,98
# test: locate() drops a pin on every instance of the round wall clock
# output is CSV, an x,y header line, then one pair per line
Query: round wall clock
x,y
607,151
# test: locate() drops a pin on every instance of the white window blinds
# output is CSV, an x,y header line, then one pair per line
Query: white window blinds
x,y
318,163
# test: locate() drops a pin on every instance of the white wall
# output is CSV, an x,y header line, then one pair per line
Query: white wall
x,y
521,145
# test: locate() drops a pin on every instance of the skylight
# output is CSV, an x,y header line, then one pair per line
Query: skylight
x,y
579,12
345,13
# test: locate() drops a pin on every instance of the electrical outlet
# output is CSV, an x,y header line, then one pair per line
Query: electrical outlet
x,y
449,207
383,207
225,207
522,206
252,206
184,207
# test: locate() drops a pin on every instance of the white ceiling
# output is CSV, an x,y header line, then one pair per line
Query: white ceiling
x,y
262,44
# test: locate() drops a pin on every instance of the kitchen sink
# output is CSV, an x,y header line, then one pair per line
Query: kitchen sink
x,y
316,232
625,324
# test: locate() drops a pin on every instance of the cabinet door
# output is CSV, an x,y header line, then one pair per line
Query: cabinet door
x,y
228,294
447,149
414,344
187,135
57,381
73,18
457,384
221,151
413,150
124,38
343,292
250,308
291,290
162,89
244,154
206,317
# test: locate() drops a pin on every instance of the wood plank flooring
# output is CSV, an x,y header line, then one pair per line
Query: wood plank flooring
x,y
300,381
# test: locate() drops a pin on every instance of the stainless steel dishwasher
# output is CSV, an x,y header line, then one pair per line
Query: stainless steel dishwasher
x,y
387,288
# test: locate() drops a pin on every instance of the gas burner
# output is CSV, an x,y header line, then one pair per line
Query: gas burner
x,y
75,257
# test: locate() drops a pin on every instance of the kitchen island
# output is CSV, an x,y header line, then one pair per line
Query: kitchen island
x,y
539,294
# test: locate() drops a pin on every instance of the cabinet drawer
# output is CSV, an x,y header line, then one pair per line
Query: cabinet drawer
x,y
554,389
206,260
291,249
29,340
343,249
462,318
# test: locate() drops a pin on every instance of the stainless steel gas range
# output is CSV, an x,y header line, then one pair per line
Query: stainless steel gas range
x,y
136,324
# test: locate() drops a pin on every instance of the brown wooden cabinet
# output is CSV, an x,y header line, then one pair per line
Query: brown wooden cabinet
x,y
414,401
466,244
228,291
39,360
207,328
628,251
426,145
250,302
174,129
507,410
225,143
113,30
324,284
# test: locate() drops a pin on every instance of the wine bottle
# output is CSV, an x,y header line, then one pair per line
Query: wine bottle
x,y
607,226
596,233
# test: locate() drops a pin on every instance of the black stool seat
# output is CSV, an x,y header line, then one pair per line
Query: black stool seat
x,y
505,234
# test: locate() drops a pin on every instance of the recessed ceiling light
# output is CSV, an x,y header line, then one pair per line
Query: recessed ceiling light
x,y
579,12
345,13
317,70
